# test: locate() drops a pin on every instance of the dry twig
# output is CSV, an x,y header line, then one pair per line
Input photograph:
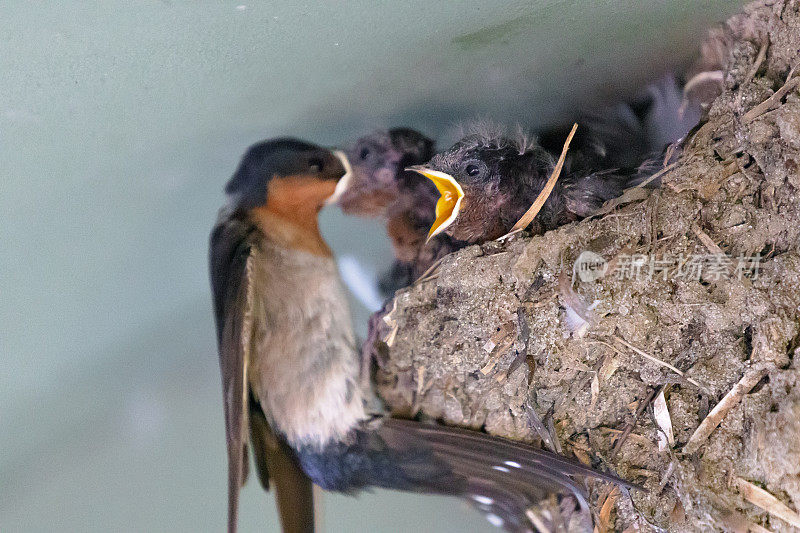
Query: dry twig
x,y
633,194
773,101
710,423
430,272
762,54
706,240
536,423
758,496
627,431
534,209
604,522
659,362
498,345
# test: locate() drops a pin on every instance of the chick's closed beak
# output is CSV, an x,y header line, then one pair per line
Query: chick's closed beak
x,y
450,196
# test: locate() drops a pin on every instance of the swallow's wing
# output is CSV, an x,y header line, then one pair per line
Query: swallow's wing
x,y
502,478
230,267
232,254
276,463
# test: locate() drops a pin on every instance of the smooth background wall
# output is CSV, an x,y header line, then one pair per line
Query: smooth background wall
x,y
120,123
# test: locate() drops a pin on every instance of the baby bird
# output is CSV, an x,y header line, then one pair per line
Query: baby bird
x,y
291,369
379,163
382,187
487,182
489,179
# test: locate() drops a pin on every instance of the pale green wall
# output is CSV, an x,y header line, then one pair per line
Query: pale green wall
x,y
120,122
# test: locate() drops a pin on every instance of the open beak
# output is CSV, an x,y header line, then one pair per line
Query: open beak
x,y
450,196
344,181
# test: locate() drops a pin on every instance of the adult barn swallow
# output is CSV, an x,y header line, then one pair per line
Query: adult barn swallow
x,y
382,187
290,365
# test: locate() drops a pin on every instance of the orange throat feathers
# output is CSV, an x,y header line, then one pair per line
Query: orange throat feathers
x,y
290,216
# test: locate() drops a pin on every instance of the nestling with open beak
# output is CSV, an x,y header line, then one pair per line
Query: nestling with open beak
x,y
488,180
382,187
290,366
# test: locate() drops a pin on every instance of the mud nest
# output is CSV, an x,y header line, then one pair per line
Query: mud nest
x,y
669,356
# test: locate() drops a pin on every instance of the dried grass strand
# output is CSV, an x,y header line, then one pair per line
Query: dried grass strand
x,y
534,209
773,101
728,402
763,499
660,362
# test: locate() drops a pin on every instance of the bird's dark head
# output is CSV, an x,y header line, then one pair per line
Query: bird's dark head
x,y
379,162
287,173
477,177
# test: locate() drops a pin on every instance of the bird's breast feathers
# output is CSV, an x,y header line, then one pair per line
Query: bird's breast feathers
x,y
304,366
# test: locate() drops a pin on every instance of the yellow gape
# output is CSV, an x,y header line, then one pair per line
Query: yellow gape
x,y
450,196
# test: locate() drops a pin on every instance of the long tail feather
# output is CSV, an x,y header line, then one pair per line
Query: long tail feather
x,y
502,478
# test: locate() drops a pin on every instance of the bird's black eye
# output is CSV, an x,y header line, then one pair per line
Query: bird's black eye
x,y
472,170
364,153
315,164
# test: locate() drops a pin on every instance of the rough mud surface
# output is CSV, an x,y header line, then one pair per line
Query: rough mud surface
x,y
489,341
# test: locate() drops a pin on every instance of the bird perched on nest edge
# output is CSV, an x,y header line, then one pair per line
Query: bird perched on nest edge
x,y
616,147
488,179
